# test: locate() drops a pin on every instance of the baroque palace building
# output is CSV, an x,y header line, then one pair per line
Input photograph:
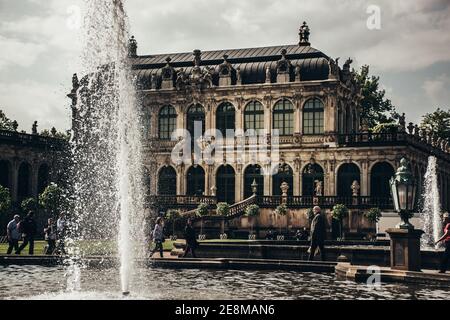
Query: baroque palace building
x,y
327,153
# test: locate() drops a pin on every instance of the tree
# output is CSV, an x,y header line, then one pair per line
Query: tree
x,y
250,212
223,209
172,216
375,107
339,212
6,123
5,200
438,123
29,204
51,199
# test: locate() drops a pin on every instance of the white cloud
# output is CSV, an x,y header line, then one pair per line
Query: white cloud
x,y
17,53
437,90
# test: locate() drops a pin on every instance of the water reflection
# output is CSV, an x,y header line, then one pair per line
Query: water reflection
x,y
36,282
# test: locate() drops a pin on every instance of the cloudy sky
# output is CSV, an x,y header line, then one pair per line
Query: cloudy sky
x,y
409,49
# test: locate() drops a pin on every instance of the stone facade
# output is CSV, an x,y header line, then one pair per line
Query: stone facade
x,y
29,162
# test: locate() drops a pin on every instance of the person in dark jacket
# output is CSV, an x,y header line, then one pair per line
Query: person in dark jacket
x,y
318,234
29,229
191,239
446,239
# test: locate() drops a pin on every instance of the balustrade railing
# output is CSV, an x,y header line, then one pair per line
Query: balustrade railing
x,y
19,138
325,201
181,201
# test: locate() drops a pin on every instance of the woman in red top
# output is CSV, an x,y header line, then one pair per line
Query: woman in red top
x,y
446,239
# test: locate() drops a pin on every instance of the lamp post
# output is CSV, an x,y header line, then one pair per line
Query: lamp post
x,y
405,240
403,191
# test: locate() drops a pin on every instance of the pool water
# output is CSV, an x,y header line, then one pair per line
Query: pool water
x,y
37,282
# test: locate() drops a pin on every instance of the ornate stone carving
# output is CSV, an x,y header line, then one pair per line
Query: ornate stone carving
x,y
355,188
132,47
268,75
283,68
34,128
304,35
168,74
333,66
298,76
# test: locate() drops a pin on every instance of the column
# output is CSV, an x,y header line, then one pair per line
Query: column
x,y
296,187
180,175
365,180
239,184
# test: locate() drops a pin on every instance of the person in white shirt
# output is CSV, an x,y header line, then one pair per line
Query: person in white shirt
x,y
61,230
12,231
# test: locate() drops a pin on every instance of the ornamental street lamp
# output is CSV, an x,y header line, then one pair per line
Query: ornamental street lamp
x,y
403,191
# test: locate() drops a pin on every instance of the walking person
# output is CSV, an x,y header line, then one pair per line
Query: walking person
x,y
28,228
50,236
191,239
61,234
13,234
446,239
158,237
318,234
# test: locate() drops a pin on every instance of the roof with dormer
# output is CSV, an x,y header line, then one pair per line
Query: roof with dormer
x,y
252,62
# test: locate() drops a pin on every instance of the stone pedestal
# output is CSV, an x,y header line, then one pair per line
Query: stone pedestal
x,y
405,249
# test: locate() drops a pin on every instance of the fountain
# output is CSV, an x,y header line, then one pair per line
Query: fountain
x,y
431,211
108,201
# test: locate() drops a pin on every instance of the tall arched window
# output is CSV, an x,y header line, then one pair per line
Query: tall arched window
x,y
253,173
313,117
195,181
283,117
167,181
284,174
5,175
380,175
254,116
347,174
43,178
312,175
167,122
225,183
225,118
24,181
196,116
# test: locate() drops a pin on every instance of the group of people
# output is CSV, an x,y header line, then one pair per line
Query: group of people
x,y
26,229
159,238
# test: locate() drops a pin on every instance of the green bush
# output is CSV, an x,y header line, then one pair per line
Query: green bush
x,y
386,128
5,200
29,204
373,215
202,210
51,199
281,210
252,210
223,209
339,212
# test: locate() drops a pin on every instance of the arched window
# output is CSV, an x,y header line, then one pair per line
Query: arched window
x,y
311,177
43,178
196,116
254,116
283,117
284,174
167,122
313,117
167,182
225,118
347,174
5,174
195,181
380,175
253,173
24,181
225,183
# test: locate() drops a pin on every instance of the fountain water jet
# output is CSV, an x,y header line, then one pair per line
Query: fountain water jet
x,y
431,212
107,145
